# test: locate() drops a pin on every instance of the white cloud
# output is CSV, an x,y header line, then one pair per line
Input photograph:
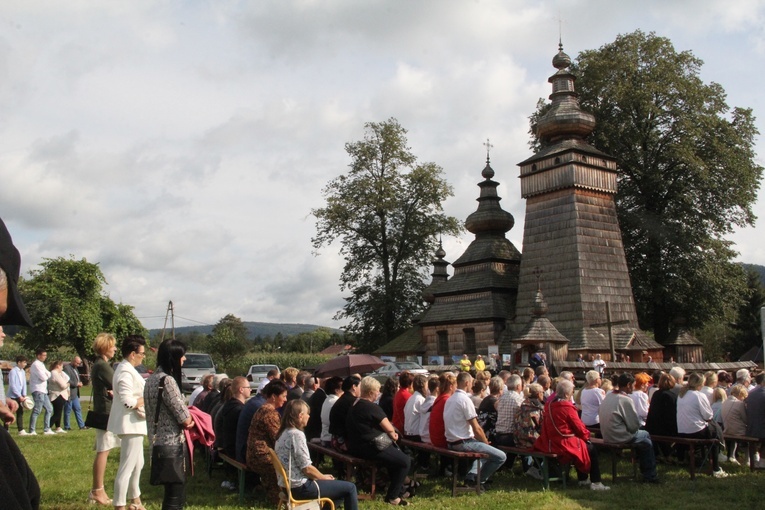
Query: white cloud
x,y
182,145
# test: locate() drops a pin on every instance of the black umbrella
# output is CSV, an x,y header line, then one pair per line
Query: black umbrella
x,y
343,366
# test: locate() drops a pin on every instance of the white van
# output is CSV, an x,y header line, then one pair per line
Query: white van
x,y
196,366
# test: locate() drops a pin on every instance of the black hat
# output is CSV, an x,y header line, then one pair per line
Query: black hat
x,y
10,261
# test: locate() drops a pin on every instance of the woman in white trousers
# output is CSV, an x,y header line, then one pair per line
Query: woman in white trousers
x,y
127,420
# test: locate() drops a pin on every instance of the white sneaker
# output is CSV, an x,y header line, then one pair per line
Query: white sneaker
x,y
33,433
534,473
49,432
734,461
23,432
584,483
721,457
60,431
720,474
598,486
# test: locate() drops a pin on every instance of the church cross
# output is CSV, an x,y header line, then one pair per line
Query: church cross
x,y
489,147
609,323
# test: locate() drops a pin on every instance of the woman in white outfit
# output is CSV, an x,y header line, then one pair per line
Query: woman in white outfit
x,y
127,420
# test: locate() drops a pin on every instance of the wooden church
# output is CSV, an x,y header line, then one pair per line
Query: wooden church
x,y
569,294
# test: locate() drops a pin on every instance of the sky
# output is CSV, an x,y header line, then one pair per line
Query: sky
x,y
182,144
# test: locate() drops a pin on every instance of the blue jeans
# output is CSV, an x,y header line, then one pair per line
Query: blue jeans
x,y
332,489
73,404
645,453
489,466
41,401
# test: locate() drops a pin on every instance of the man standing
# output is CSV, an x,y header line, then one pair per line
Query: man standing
x,y
17,388
465,363
619,423
464,434
18,485
73,404
755,415
599,365
38,385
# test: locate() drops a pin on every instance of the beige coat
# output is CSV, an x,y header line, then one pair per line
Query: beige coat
x,y
733,415
58,385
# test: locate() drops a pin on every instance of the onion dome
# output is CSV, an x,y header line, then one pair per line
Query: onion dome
x,y
565,119
490,217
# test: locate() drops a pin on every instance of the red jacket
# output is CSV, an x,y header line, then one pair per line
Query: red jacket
x,y
399,401
564,434
436,426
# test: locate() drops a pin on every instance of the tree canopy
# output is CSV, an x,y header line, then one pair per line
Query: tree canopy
x,y
387,213
68,306
687,175
228,340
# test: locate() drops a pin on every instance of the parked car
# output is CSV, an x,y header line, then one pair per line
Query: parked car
x,y
257,373
394,369
196,366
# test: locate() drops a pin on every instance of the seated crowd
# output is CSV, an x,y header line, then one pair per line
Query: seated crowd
x,y
502,417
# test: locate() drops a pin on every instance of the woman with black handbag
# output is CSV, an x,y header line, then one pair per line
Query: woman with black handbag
x,y
167,417
101,374
371,436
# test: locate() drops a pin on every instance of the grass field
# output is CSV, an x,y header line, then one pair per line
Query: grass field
x,y
63,464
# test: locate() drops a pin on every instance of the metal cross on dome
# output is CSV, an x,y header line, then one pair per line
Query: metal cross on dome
x,y
489,147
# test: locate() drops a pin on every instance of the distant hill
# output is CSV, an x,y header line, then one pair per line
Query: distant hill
x,y
254,329
758,269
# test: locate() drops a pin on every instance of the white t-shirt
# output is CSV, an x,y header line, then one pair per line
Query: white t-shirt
x,y
412,415
599,365
590,400
425,418
640,398
326,407
38,377
693,412
459,409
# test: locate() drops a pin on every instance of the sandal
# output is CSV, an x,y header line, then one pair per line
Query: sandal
x,y
136,506
93,499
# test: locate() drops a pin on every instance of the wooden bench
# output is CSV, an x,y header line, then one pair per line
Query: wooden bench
x,y
456,456
615,450
241,470
350,463
752,443
544,459
692,443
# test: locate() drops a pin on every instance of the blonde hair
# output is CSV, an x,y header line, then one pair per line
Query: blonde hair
x,y
607,385
103,342
368,385
739,391
718,395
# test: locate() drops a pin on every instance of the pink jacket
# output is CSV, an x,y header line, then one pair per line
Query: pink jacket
x,y
202,432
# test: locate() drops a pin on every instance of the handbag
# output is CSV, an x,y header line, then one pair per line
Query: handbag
x,y
96,420
93,419
382,441
168,462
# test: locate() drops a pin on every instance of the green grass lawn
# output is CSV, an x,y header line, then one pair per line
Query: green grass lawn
x,y
63,466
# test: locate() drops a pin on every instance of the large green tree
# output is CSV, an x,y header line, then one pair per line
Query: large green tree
x,y
228,340
69,307
387,214
687,176
747,327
